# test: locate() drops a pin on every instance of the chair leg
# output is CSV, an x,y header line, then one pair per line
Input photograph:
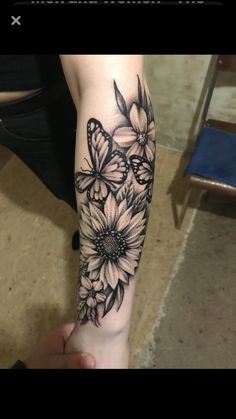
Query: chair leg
x,y
205,196
184,207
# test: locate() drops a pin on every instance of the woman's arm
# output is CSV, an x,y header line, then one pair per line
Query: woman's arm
x,y
114,165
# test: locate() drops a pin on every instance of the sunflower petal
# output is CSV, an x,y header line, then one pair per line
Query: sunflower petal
x,y
112,274
137,221
137,243
124,220
127,265
97,216
94,263
132,254
111,210
102,276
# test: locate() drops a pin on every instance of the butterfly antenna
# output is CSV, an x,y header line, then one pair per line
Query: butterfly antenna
x,y
84,170
88,163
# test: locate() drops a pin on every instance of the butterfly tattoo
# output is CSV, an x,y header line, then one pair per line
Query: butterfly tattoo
x,y
108,169
143,172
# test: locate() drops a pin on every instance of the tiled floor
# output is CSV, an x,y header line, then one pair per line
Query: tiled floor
x,y
38,269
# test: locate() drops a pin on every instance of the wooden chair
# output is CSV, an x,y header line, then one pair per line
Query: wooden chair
x,y
223,136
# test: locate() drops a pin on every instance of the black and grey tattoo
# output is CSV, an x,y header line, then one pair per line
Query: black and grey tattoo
x,y
118,183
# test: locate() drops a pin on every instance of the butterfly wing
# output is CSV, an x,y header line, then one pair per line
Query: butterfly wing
x,y
99,144
83,181
115,169
98,191
142,169
109,167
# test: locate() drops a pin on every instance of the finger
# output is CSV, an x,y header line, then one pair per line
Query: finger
x,y
57,338
71,361
66,330
86,360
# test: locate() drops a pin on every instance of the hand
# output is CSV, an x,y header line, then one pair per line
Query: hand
x,y
50,353
110,350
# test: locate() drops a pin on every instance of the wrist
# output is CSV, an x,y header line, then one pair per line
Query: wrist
x,y
110,349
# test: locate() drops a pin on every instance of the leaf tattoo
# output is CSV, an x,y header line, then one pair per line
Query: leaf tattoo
x,y
120,100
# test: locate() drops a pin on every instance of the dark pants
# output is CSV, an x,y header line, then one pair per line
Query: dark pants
x,y
44,139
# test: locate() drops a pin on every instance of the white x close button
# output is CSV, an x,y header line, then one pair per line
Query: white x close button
x,y
16,20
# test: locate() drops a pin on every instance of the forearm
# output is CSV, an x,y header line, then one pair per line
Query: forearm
x,y
114,163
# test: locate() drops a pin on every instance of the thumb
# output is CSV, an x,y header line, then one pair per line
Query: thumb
x,y
73,361
84,360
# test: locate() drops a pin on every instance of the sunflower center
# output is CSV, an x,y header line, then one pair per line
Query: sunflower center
x,y
110,244
142,138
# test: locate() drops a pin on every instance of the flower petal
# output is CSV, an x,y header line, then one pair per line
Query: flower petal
x,y
127,265
91,302
137,221
151,144
90,244
112,274
123,276
86,283
135,149
88,251
111,210
102,276
122,206
133,235
125,136
100,297
94,263
86,217
151,131
93,275
83,292
97,215
132,254
149,150
97,285
138,118
124,219
86,231
136,243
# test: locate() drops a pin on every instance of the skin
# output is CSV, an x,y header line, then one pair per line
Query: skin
x,y
15,95
50,353
91,82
